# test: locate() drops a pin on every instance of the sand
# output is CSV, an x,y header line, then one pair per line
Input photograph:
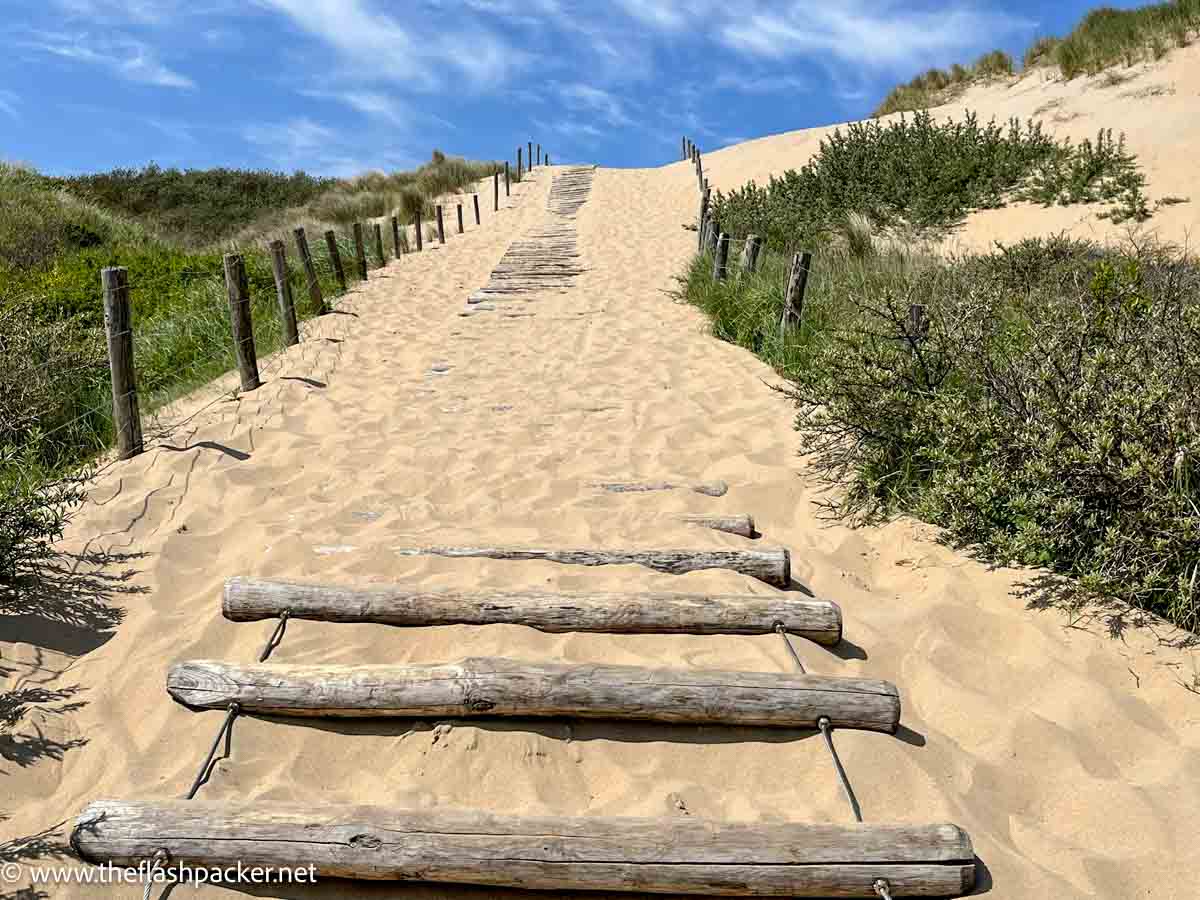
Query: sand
x,y
1071,756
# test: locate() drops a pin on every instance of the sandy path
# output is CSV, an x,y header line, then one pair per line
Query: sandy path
x,y
1072,759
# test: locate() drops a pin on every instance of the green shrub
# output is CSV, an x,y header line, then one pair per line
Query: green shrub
x,y
1046,417
916,174
195,206
35,506
1040,52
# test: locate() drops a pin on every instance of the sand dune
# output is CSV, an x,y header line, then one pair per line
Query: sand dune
x,y
1072,758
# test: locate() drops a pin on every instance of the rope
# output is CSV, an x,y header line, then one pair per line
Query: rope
x,y
827,730
225,732
788,643
160,857
276,636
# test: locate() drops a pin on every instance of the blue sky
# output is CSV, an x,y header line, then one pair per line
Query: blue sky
x,y
341,86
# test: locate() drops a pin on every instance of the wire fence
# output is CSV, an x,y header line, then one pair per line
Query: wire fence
x,y
58,368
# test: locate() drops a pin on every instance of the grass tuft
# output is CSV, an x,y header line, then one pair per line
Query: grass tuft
x,y
1105,38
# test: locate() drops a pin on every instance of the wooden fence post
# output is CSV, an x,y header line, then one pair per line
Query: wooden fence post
x,y
529,156
506,180
396,236
918,324
379,242
238,289
684,147
750,254
519,164
475,198
118,323
460,218
700,221
441,226
793,296
539,154
335,257
710,236
310,271
360,252
721,260
547,159
283,291
417,222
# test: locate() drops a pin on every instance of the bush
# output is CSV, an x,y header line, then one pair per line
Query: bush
x,y
923,176
34,509
195,206
1047,417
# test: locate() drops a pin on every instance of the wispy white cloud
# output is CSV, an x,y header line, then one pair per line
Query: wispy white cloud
x,y
778,83
585,97
303,143
8,103
126,57
871,35
423,54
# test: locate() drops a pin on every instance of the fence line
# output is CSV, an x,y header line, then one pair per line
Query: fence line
x,y
121,332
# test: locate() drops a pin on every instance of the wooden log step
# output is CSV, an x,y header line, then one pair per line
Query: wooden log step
x,y
711,488
253,599
738,524
772,565
492,686
679,855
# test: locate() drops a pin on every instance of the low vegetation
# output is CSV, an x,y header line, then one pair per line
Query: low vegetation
x,y
937,86
1047,416
915,174
1044,413
1104,38
170,229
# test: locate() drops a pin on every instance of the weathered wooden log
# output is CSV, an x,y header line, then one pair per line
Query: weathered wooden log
x,y
441,226
238,288
417,227
750,251
721,260
677,855
711,488
283,293
396,243
253,599
772,565
378,229
475,201
335,259
734,524
118,323
793,296
310,271
704,200
493,686
460,219
360,252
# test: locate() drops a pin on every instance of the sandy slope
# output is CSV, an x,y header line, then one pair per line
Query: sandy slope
x,y
1155,105
1072,758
